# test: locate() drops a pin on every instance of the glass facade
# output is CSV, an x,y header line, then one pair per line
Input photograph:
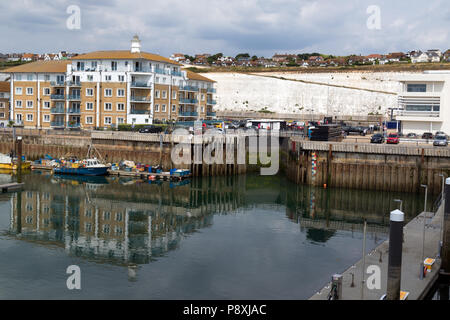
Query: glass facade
x,y
417,88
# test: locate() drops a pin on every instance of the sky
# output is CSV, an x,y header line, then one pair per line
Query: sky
x,y
258,27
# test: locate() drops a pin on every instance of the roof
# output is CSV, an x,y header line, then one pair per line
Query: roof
x,y
4,86
123,55
195,76
40,67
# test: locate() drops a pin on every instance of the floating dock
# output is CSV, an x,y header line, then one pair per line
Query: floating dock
x,y
147,175
11,187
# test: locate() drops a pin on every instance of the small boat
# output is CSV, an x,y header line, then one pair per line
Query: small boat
x,y
87,167
8,163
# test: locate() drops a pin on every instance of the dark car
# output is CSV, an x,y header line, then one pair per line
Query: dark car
x,y
357,130
151,129
377,138
411,136
393,138
427,135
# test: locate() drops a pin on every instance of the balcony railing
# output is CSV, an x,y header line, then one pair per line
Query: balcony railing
x,y
177,74
188,101
188,114
57,84
213,102
74,84
211,90
140,85
162,71
189,88
57,97
426,114
74,110
74,125
140,99
57,124
74,97
57,110
134,111
210,114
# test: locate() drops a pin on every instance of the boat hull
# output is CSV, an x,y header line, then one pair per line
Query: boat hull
x,y
82,171
14,166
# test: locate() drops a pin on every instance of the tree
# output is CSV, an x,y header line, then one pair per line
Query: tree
x,y
242,55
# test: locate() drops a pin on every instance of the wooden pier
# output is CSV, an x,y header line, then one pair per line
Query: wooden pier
x,y
147,175
11,187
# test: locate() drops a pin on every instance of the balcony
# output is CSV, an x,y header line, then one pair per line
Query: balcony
x,y
134,111
57,110
141,99
142,70
188,101
162,71
210,114
188,114
177,74
57,124
212,102
74,125
189,88
57,84
140,85
75,110
72,97
74,84
211,90
57,97
418,114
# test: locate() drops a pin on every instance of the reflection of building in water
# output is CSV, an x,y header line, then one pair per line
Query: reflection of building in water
x,y
109,224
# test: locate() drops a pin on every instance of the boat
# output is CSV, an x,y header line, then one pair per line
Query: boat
x,y
10,164
87,167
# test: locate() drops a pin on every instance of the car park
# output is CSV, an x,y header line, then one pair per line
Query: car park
x,y
377,138
440,141
393,138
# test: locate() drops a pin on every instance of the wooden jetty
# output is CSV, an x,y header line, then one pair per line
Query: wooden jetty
x,y
10,187
147,175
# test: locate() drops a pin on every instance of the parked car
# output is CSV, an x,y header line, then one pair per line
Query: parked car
x,y
427,135
440,133
358,130
440,141
393,138
412,136
377,138
151,129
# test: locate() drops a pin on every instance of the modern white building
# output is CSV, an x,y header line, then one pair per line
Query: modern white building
x,y
424,102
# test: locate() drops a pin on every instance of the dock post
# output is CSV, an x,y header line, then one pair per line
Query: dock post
x,y
445,267
395,255
19,159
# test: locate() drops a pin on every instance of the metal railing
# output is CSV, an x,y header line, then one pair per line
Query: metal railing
x,y
74,110
140,99
213,102
134,111
57,97
188,114
74,84
74,97
57,124
188,101
140,85
211,90
74,125
57,110
57,84
428,114
210,114
188,88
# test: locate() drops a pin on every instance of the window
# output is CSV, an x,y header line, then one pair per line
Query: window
x,y
29,104
19,77
89,120
417,88
108,106
114,65
93,65
46,105
18,90
157,94
108,121
156,107
120,120
423,108
163,108
174,94
46,91
2,105
157,80
2,114
203,97
174,108
80,66
46,77
120,107
90,77
18,103
164,94
46,118
108,92
89,92
120,92
29,117
107,78
121,78
29,77
60,79
89,106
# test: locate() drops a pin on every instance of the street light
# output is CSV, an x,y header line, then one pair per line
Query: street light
x,y
423,237
401,203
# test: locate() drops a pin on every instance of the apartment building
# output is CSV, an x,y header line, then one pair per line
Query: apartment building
x,y
424,102
108,88
4,103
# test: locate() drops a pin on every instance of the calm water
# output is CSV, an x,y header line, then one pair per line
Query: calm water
x,y
247,237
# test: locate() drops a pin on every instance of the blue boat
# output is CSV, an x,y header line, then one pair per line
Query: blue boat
x,y
88,167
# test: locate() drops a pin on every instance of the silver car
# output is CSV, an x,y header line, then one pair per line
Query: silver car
x,y
440,141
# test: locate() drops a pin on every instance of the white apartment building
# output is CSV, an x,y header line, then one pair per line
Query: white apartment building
x,y
424,102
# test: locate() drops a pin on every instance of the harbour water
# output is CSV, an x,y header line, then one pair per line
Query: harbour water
x,y
244,237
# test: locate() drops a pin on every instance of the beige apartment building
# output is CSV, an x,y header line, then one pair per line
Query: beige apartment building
x,y
4,103
107,88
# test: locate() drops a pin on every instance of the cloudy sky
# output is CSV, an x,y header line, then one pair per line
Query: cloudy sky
x,y
261,27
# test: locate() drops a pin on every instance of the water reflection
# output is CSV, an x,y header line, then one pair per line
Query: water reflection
x,y
130,222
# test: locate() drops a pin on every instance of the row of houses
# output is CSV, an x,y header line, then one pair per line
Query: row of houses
x,y
277,60
30,57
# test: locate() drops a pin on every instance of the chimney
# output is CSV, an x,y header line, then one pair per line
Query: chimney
x,y
135,44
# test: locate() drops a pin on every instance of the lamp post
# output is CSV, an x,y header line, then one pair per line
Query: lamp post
x,y
423,237
443,216
401,203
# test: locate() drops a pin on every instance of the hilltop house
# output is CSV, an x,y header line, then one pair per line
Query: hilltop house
x,y
419,57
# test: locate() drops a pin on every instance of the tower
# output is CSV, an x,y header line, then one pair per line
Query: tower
x,y
135,44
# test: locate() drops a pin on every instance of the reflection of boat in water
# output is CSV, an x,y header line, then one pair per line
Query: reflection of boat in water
x,y
9,164
79,179
88,167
